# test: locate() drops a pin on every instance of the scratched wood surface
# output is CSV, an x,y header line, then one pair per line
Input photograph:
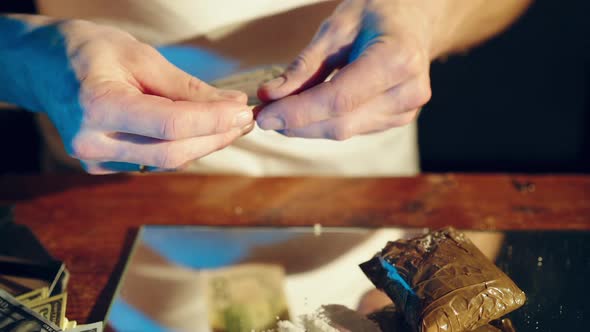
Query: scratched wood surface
x,y
90,222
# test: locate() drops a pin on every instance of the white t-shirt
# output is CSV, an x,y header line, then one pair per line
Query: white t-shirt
x,y
260,153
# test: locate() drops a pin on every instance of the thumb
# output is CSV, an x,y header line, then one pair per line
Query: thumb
x,y
166,80
327,51
311,67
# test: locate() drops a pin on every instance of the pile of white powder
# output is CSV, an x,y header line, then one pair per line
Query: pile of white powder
x,y
329,318
307,323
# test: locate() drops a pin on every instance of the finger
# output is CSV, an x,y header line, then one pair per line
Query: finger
x,y
407,96
139,150
311,67
371,74
350,125
103,168
112,167
394,108
127,111
95,169
164,79
248,128
172,154
328,50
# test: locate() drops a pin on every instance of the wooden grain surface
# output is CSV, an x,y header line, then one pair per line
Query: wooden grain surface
x,y
90,222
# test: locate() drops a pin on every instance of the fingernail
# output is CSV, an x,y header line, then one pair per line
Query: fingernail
x,y
242,119
248,128
272,123
230,94
275,83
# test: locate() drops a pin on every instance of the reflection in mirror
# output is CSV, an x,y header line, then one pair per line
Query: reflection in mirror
x,y
225,279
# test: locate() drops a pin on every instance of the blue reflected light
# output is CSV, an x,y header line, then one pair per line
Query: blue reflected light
x,y
394,275
207,249
124,317
203,64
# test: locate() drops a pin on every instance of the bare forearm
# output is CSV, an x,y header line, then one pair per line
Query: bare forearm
x,y
460,24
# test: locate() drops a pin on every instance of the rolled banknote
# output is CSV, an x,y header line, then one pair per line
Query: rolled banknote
x,y
249,81
16,317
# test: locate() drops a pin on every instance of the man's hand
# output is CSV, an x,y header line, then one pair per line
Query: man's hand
x,y
383,49
117,103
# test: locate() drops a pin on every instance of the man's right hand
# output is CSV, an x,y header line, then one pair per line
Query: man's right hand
x,y
116,102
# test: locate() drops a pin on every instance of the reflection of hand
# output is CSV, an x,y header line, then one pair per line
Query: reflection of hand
x,y
117,102
383,48
372,301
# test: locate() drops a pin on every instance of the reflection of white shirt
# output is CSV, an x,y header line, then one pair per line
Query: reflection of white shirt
x,y
338,282
174,263
260,153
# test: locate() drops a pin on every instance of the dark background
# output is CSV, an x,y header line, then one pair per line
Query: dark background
x,y
553,285
519,103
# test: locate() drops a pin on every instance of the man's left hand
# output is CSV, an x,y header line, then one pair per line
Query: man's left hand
x,y
381,49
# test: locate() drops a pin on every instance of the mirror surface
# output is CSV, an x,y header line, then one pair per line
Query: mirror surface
x,y
191,278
